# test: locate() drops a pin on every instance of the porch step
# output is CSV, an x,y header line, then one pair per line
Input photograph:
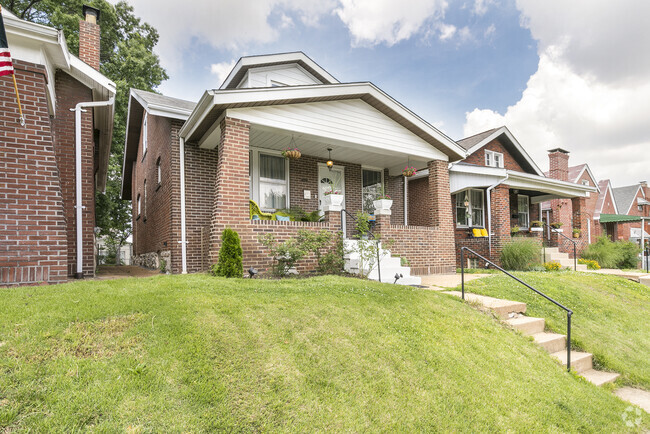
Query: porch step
x,y
580,362
503,308
527,325
600,377
551,342
389,265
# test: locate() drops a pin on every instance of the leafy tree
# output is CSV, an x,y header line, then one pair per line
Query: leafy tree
x,y
230,256
127,58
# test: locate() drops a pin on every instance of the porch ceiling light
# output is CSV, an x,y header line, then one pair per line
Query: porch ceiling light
x,y
329,163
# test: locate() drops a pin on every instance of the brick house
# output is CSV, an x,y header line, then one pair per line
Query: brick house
x,y
51,169
633,204
192,169
498,186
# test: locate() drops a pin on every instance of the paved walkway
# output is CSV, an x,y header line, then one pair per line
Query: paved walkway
x,y
635,396
637,276
109,272
442,282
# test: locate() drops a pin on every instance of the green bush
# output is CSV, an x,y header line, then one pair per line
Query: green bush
x,y
520,255
552,266
621,254
285,254
591,265
230,256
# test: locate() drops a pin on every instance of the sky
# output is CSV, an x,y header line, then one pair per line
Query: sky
x,y
570,74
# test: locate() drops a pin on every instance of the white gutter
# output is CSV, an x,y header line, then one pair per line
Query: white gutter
x,y
79,108
489,211
183,240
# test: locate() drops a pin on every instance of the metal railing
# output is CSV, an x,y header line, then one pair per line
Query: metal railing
x,y
646,256
569,312
575,245
344,228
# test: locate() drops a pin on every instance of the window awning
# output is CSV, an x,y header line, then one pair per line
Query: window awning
x,y
618,218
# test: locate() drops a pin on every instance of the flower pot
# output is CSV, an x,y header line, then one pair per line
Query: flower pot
x,y
292,155
537,229
559,231
382,204
408,173
576,235
333,199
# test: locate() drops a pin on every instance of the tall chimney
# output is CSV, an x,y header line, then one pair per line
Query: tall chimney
x,y
89,37
558,164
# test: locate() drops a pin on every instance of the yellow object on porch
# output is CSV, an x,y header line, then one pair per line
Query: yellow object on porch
x,y
484,232
255,210
479,233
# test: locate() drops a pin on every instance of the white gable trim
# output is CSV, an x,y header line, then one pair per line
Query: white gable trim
x,y
591,175
636,193
522,151
159,110
609,190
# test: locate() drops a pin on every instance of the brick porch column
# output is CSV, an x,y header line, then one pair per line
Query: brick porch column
x,y
382,221
440,204
231,191
500,214
580,216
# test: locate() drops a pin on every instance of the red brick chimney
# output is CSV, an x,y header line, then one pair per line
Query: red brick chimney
x,y
558,164
89,37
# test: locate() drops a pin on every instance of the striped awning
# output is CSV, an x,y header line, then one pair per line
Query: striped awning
x,y
618,218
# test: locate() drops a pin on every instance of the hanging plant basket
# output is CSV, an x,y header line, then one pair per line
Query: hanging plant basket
x,y
291,154
409,171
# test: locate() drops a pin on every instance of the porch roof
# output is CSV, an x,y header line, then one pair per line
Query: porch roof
x,y
205,118
618,218
463,176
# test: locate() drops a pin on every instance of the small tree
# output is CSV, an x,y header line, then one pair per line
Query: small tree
x,y
230,256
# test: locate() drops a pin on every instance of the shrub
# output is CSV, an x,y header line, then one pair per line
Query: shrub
x,y
621,254
230,256
520,255
285,254
552,266
326,247
591,265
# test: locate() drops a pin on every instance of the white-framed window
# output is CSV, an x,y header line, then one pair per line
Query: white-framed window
x,y
144,135
372,181
493,159
470,210
158,171
586,182
523,211
138,205
269,172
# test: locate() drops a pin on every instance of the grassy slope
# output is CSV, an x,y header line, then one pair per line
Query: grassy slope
x,y
196,353
611,315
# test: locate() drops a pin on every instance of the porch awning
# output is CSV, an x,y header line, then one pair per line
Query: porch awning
x,y
618,218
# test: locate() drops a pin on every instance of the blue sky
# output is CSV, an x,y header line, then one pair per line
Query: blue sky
x,y
556,73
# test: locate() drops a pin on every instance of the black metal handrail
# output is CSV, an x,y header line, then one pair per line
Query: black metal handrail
x,y
344,227
569,312
575,246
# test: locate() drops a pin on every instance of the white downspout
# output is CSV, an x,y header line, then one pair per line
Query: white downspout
x,y
489,211
79,108
406,201
183,240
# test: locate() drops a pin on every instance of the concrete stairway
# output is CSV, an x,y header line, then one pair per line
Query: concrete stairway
x,y
389,265
554,254
512,313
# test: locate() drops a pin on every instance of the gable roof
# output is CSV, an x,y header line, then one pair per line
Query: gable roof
x,y
604,186
245,63
474,143
624,197
157,105
576,172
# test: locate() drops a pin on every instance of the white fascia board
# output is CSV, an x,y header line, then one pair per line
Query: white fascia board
x,y
478,170
506,131
252,61
90,76
161,110
199,113
591,175
548,185
226,98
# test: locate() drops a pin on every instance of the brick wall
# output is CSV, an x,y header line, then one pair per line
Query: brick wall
x,y
69,92
89,43
590,208
418,210
558,165
478,157
32,226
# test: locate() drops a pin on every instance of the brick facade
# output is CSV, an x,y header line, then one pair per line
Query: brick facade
x,y
89,43
478,157
33,245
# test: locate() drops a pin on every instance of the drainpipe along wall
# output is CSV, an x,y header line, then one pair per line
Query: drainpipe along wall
x,y
183,224
79,108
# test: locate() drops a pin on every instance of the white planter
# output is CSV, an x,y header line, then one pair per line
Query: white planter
x,y
382,206
537,229
332,202
558,231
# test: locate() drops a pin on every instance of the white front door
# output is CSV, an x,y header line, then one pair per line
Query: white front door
x,y
330,179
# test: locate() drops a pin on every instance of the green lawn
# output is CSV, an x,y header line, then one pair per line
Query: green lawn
x,y
611,315
196,353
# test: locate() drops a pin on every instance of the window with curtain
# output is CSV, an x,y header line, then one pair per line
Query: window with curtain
x,y
371,188
472,214
273,186
523,211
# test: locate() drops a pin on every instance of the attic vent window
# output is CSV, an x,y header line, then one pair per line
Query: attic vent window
x,y
493,159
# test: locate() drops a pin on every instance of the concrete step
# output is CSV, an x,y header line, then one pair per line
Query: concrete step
x,y
552,250
580,362
600,377
551,342
502,308
527,325
644,280
635,396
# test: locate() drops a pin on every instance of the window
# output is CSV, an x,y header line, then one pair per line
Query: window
x,y
586,182
270,180
493,159
138,205
144,135
523,211
372,184
158,171
469,208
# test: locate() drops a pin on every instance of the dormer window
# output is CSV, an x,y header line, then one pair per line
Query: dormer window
x,y
493,159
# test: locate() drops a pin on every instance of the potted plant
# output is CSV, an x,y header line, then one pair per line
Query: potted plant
x,y
291,153
383,202
333,197
536,226
556,227
409,171
515,230
576,233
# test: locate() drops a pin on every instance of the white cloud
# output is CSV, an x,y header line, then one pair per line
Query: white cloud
x,y
221,70
490,31
447,31
481,6
578,101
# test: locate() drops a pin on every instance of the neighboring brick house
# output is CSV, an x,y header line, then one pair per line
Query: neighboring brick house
x,y
39,187
498,186
215,157
633,204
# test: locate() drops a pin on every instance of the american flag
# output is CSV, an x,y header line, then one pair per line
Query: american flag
x,y
6,67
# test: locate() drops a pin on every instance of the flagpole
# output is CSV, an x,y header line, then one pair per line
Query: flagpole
x,y
20,109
